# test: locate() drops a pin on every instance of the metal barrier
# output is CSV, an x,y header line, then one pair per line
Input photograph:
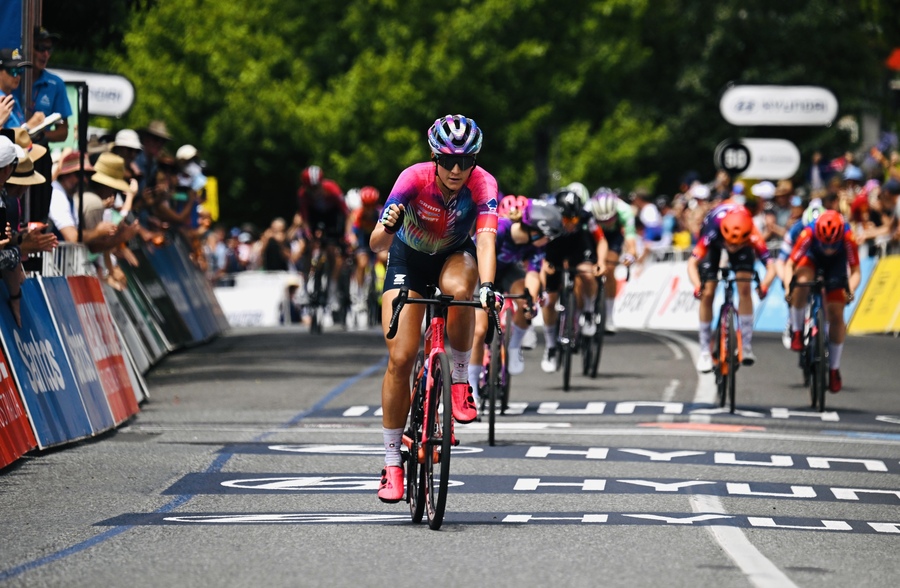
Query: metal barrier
x,y
68,259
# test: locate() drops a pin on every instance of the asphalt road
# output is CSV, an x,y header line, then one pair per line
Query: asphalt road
x,y
256,459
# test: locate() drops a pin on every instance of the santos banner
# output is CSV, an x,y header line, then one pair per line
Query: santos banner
x,y
16,437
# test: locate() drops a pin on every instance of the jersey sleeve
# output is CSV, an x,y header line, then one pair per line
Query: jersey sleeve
x,y
802,245
759,245
851,247
405,189
484,193
626,220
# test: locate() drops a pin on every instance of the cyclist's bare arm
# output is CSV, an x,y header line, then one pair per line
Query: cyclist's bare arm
x,y
486,251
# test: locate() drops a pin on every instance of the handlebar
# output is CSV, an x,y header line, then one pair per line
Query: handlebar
x,y
443,301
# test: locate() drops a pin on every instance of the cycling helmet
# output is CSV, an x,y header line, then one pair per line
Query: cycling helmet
x,y
369,195
830,227
509,203
811,213
581,190
736,226
604,204
455,135
568,203
543,217
312,176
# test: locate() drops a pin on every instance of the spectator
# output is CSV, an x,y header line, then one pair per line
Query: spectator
x,y
819,172
12,66
697,206
275,247
853,181
721,188
765,191
29,240
153,138
127,145
780,208
650,223
48,96
884,213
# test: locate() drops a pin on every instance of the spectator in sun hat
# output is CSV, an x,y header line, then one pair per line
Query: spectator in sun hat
x,y
12,64
153,138
107,180
30,240
190,178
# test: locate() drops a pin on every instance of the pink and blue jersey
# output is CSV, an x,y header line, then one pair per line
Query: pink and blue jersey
x,y
431,225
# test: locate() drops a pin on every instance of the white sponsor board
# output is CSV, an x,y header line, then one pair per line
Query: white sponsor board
x,y
778,106
772,159
676,309
109,94
639,295
256,299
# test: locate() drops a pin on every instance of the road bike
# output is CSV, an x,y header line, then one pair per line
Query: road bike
x,y
496,357
570,341
814,355
728,348
429,434
592,347
318,283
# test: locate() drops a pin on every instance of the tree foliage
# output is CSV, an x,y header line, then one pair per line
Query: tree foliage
x,y
608,92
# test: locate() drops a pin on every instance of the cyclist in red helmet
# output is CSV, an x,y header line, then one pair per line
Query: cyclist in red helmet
x,y
728,227
425,224
361,223
320,203
828,248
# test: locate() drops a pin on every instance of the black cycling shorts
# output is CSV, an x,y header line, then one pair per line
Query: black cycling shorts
x,y
417,270
742,260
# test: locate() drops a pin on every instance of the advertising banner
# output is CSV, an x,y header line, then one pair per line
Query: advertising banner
x,y
161,261
676,309
16,436
637,299
151,288
42,374
778,105
126,329
878,310
100,332
65,317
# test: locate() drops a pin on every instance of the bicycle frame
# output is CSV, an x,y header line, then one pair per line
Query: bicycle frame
x,y
728,352
814,356
497,378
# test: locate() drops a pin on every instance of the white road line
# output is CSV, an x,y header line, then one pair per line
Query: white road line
x,y
759,570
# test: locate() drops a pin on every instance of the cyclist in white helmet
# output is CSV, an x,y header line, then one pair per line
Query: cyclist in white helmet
x,y
616,218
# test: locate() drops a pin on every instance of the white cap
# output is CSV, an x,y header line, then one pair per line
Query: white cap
x,y
764,190
700,191
7,151
128,138
186,153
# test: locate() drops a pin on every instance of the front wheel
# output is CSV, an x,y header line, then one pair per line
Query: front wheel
x,y
599,311
719,364
415,488
568,343
493,386
820,356
732,326
438,441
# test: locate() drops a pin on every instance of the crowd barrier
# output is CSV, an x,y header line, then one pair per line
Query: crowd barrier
x,y
75,367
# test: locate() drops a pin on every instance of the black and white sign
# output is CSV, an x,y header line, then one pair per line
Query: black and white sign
x,y
732,156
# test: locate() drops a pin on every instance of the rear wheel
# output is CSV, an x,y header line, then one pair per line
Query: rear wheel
x,y
599,311
568,343
438,434
415,489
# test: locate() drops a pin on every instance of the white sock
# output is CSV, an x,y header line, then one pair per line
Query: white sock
x,y
459,361
515,339
610,302
746,329
474,377
550,336
797,317
704,336
393,439
834,355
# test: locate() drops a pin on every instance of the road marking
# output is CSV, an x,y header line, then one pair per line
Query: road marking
x,y
720,428
759,570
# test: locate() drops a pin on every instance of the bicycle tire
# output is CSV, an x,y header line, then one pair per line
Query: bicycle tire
x,y
437,447
718,363
732,324
821,355
493,388
505,377
415,488
599,310
568,337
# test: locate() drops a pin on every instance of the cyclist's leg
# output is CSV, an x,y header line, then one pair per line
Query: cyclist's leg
x,y
742,262
476,361
552,283
805,272
458,278
518,328
585,293
707,268
612,261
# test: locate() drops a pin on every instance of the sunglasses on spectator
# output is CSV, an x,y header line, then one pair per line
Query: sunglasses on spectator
x,y
448,162
14,71
43,48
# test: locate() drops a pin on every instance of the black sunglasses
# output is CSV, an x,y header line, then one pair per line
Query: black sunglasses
x,y
448,162
42,48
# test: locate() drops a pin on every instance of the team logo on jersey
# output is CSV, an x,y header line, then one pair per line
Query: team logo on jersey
x,y
399,279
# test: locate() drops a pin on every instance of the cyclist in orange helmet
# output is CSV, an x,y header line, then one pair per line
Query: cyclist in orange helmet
x,y
729,227
828,247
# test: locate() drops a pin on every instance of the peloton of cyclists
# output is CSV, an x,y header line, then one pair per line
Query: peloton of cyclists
x,y
616,218
425,226
728,227
583,246
827,247
521,241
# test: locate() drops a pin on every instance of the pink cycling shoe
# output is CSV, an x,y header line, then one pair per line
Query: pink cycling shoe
x,y
464,409
391,488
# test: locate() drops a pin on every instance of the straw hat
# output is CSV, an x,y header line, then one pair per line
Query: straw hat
x,y
157,128
24,174
110,171
23,140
